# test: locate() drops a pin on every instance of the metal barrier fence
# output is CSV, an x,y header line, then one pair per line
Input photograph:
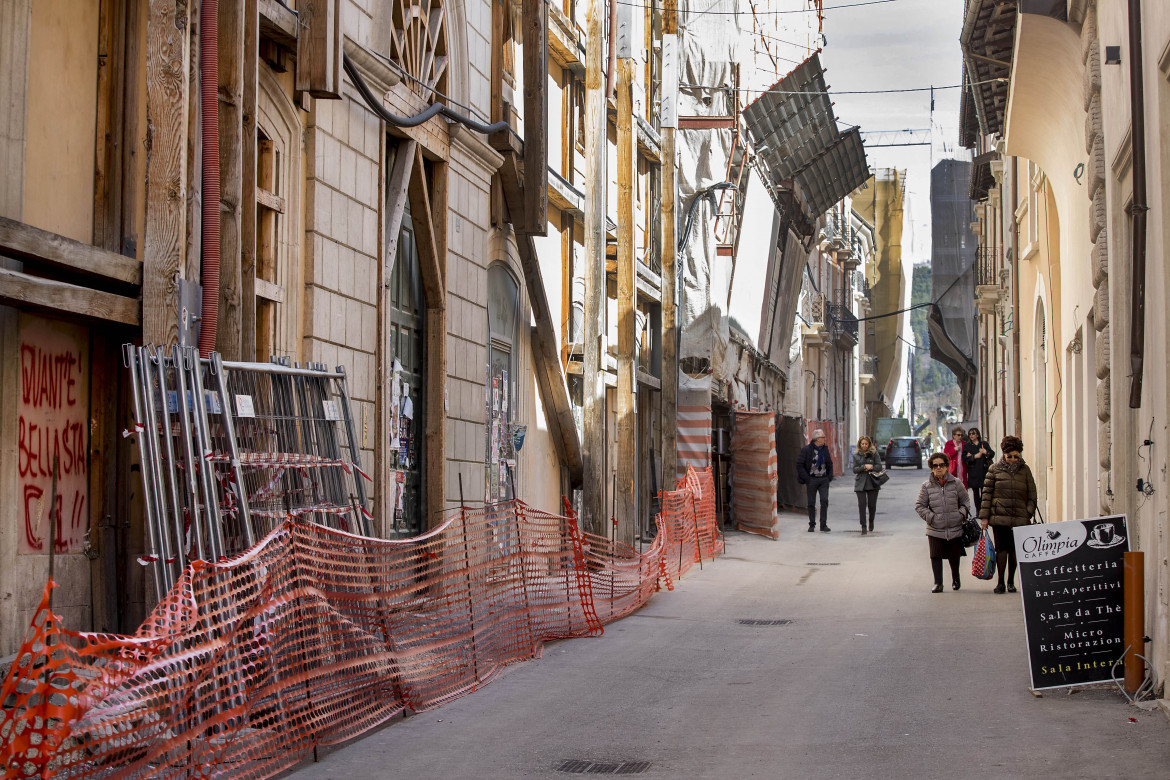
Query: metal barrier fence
x,y
230,450
315,635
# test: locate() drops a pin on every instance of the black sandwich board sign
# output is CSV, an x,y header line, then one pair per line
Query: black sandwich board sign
x,y
1071,582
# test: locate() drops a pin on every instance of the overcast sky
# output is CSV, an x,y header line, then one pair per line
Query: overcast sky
x,y
898,45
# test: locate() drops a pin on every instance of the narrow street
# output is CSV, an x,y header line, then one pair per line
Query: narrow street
x,y
875,677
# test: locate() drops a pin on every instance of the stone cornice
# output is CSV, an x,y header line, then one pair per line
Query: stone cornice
x,y
474,145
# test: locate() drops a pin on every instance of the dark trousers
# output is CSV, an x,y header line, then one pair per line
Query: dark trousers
x,y
936,565
814,486
866,499
978,491
1005,552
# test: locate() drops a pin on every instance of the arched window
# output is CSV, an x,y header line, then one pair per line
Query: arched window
x,y
503,312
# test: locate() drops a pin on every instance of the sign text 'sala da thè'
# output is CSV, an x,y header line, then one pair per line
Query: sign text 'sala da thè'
x,y
1071,578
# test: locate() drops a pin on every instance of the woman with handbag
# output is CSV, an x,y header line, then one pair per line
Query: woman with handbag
x,y
871,474
943,502
978,457
1009,500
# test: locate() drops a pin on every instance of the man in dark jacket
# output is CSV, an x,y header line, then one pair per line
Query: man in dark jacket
x,y
814,470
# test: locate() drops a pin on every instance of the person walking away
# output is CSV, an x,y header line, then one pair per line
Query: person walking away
x,y
978,457
1009,500
814,470
943,502
953,449
868,466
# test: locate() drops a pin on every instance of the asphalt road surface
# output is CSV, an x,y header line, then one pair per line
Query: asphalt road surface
x,y
874,677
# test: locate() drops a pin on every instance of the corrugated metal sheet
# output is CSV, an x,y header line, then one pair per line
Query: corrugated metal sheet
x,y
794,132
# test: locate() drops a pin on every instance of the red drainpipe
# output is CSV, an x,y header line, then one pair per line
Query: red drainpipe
x,y
209,101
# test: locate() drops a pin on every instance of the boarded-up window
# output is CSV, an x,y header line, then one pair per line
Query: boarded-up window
x,y
53,425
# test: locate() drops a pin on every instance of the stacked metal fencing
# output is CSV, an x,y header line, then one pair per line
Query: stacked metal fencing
x,y
230,450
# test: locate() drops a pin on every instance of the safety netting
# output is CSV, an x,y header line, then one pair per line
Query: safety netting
x,y
315,635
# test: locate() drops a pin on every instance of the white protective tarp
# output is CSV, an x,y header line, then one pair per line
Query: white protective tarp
x,y
710,44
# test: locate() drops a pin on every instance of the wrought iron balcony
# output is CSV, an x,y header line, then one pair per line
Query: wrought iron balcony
x,y
843,326
989,279
987,267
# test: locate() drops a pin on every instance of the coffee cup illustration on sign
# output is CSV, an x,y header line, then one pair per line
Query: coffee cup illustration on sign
x,y
1104,535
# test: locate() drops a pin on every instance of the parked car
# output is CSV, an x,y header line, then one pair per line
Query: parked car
x,y
904,451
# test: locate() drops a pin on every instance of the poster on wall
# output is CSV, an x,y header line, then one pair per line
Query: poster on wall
x,y
53,424
1071,584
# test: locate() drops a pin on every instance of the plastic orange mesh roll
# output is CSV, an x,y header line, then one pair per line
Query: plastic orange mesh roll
x,y
315,635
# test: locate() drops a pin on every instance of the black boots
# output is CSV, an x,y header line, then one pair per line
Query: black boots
x,y
863,528
812,526
825,529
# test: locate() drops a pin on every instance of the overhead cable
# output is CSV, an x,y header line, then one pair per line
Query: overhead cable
x,y
768,13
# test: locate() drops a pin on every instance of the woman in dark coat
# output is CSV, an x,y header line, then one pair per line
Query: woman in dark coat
x,y
1009,500
867,465
978,456
943,502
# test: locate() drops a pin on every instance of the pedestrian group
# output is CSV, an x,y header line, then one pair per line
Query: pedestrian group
x,y
1004,496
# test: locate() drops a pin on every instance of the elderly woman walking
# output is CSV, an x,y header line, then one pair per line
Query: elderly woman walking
x,y
943,502
1009,500
867,465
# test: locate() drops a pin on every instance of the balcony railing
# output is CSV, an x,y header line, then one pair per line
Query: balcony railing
x,y
869,365
843,325
817,308
987,267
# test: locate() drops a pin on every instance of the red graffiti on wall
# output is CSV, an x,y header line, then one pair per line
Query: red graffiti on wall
x,y
52,427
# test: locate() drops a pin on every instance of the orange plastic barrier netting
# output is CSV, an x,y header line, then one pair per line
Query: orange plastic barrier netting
x,y
315,635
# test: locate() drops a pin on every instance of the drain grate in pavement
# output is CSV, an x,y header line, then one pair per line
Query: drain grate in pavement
x,y
835,563
577,767
752,622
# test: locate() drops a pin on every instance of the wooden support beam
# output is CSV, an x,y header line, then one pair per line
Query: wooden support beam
x,y
625,400
21,289
231,177
397,183
107,184
164,236
319,48
429,260
669,214
436,412
706,122
26,242
278,23
131,140
549,373
15,23
251,75
593,509
535,41
269,201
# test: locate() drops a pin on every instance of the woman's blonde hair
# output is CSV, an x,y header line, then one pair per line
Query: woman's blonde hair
x,y
958,429
865,438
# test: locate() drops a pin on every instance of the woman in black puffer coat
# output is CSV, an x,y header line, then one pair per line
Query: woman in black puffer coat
x,y
1009,500
978,456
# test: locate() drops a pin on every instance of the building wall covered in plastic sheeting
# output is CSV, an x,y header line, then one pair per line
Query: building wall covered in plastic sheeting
x,y
710,48
953,338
